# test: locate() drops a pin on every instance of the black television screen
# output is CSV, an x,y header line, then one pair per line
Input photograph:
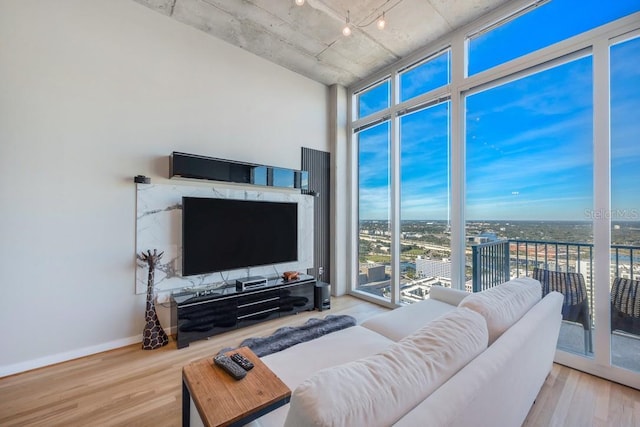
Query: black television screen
x,y
228,234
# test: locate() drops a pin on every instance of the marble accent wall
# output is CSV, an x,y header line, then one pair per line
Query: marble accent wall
x,y
159,226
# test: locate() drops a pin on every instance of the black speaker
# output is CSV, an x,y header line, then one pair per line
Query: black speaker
x,y
200,167
323,296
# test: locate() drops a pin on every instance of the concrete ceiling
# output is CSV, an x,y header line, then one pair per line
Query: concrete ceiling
x,y
308,39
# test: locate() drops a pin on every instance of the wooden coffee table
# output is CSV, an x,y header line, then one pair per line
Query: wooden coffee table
x,y
223,401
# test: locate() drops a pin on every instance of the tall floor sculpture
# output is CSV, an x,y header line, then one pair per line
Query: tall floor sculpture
x,y
153,336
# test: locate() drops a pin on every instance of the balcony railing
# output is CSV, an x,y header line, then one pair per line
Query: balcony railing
x,y
496,262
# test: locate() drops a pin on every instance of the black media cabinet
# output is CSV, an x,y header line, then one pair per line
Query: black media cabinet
x,y
202,313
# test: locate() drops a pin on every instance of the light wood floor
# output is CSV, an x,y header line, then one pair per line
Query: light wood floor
x,y
132,387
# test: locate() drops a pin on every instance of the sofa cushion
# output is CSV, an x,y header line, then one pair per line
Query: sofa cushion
x,y
300,361
505,304
297,363
378,390
448,295
403,321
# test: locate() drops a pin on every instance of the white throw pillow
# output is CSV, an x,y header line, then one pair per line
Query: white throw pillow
x,y
378,390
505,304
448,295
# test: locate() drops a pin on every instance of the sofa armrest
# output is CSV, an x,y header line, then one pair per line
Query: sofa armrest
x,y
447,295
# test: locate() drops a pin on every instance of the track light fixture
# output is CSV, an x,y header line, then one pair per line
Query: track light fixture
x,y
346,31
381,22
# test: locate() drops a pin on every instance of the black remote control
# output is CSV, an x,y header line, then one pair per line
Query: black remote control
x,y
230,366
244,363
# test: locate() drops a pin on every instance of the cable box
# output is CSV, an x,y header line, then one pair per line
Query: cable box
x,y
252,282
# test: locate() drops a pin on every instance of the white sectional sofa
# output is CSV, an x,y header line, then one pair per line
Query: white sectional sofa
x,y
455,359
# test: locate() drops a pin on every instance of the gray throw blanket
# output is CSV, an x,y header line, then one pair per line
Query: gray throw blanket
x,y
287,336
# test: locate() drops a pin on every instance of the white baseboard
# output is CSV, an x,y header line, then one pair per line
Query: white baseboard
x,y
40,362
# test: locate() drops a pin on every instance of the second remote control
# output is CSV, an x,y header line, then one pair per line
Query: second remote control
x,y
230,366
245,363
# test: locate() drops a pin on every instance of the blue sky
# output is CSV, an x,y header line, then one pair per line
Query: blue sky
x,y
529,146
529,141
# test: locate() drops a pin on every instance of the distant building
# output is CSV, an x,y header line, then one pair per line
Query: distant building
x,y
484,237
623,270
433,268
363,279
418,290
374,273
561,266
411,235
468,286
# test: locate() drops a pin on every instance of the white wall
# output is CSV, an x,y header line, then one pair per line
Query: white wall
x,y
93,92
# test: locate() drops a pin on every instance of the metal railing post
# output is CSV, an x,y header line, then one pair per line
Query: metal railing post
x,y
475,268
507,261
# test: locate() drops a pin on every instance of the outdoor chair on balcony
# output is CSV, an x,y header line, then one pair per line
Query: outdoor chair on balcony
x,y
575,307
625,305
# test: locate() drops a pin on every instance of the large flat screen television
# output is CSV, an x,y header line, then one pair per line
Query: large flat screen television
x,y
228,234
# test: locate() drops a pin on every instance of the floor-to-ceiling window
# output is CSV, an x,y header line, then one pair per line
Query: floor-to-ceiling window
x,y
539,24
374,190
374,233
529,175
625,203
425,243
425,239
515,131
416,127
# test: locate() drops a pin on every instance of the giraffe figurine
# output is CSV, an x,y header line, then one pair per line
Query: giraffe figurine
x,y
153,336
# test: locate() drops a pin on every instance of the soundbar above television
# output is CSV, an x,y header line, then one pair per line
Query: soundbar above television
x,y
228,234
184,165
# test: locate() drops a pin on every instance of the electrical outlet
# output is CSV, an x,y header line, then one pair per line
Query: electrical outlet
x,y
320,271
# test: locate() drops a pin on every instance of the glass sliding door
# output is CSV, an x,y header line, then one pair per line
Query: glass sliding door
x,y
374,199
425,241
529,181
625,204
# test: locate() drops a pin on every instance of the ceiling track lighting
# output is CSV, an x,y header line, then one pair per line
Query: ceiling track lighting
x,y
346,31
381,22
